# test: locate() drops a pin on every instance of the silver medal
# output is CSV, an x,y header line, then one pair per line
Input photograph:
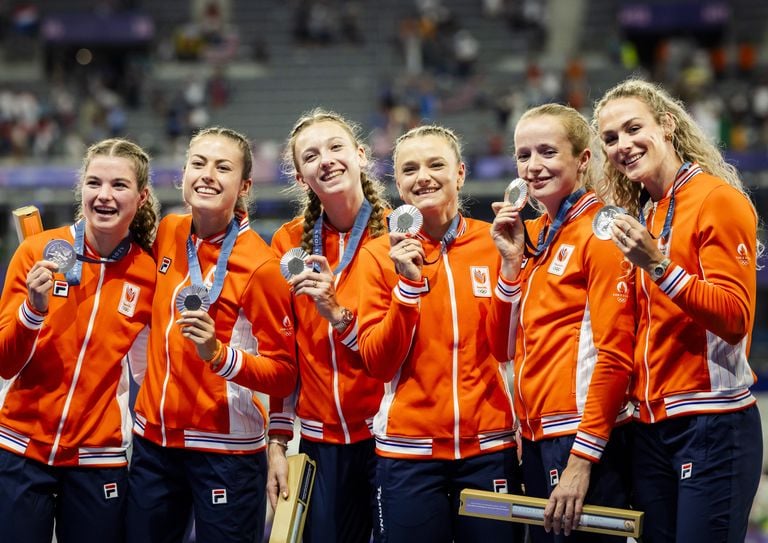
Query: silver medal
x,y
406,219
62,253
294,262
516,194
601,224
193,297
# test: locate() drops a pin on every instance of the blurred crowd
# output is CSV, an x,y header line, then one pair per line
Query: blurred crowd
x,y
441,73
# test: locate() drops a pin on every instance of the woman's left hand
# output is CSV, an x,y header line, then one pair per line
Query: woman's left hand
x,y
563,510
198,327
635,242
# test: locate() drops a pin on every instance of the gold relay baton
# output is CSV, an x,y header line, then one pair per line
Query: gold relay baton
x,y
27,221
291,514
529,510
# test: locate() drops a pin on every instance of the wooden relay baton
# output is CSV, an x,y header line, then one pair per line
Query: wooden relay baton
x,y
290,514
529,510
27,221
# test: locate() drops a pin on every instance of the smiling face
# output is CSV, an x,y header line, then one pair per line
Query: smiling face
x,y
213,177
328,160
636,144
429,175
110,196
545,159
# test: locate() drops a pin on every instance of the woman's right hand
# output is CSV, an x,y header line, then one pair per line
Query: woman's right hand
x,y
277,473
408,255
40,284
509,237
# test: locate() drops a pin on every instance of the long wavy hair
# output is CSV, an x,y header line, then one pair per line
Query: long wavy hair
x,y
144,225
689,140
309,205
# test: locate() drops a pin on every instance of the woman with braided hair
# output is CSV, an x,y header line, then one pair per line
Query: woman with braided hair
x,y
341,208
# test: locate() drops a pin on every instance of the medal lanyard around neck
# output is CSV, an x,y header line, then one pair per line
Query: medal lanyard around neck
x,y
551,231
73,275
196,275
449,237
356,234
671,209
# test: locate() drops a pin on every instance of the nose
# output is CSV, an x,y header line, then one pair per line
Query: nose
x,y
625,142
533,164
326,159
423,176
105,191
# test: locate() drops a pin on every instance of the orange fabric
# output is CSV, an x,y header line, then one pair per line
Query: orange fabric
x,y
445,397
336,399
67,403
695,324
182,402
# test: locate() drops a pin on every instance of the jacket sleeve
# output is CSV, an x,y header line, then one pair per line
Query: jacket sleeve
x,y
282,414
137,356
20,324
611,303
720,295
501,325
272,368
388,314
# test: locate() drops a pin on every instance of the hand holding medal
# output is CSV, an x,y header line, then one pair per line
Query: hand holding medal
x,y
294,262
603,221
406,251
516,194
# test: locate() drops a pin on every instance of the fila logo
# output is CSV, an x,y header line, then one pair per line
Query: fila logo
x,y
164,265
554,477
500,486
218,496
686,470
110,491
742,254
61,289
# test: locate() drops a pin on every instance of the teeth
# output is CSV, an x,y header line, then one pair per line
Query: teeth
x,y
206,190
332,175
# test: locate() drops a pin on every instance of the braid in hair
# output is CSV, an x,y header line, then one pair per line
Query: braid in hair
x,y
373,190
312,211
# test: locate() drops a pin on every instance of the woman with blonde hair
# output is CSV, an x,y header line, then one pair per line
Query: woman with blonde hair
x,y
445,422
562,310
691,233
341,208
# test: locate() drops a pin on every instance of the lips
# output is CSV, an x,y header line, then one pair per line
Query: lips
x,y
331,175
101,210
629,161
210,191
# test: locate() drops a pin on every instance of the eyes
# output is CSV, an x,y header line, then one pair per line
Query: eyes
x,y
609,138
523,155
312,154
410,168
223,167
118,184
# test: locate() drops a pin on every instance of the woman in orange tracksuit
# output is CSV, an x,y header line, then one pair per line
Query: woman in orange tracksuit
x,y
335,400
221,328
697,439
563,311
66,339
445,422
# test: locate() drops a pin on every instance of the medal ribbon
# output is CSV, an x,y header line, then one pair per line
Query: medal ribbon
x,y
196,275
448,238
356,234
680,179
551,231
74,274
